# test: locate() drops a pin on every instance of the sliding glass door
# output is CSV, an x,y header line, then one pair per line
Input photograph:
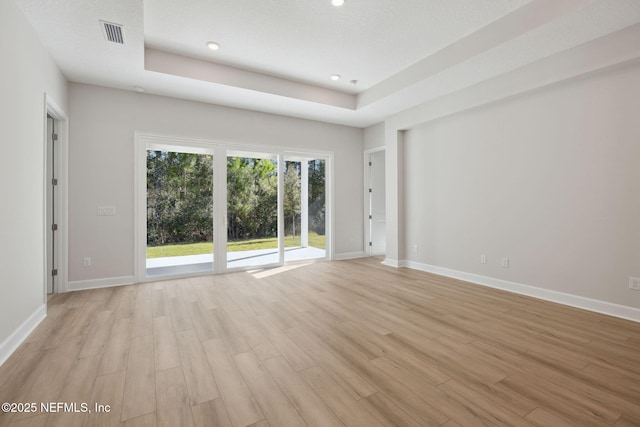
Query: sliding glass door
x,y
179,209
204,207
305,208
252,210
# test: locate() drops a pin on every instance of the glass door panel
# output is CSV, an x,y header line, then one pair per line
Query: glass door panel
x,y
304,208
252,210
292,206
179,212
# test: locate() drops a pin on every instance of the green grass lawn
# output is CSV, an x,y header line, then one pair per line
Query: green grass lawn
x,y
315,241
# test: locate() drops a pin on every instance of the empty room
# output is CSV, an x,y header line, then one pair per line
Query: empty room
x,y
320,213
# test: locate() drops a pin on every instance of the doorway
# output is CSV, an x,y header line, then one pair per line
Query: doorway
x,y
51,205
305,208
253,217
55,191
250,219
179,210
375,198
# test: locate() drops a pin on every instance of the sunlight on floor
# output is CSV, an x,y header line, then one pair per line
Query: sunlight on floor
x,y
263,273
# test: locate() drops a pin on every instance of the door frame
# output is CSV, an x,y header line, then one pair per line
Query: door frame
x,y
297,156
366,199
219,150
244,153
61,122
144,142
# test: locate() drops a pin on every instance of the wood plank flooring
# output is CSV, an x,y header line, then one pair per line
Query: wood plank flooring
x,y
349,343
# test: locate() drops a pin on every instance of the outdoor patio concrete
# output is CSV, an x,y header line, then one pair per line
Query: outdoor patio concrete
x,y
202,263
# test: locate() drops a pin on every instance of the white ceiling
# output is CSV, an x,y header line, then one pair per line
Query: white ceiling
x,y
277,55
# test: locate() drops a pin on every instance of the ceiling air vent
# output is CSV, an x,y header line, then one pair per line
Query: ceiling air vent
x,y
112,32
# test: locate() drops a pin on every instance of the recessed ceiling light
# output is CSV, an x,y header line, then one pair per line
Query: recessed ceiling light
x,y
213,45
138,88
335,76
337,3
354,82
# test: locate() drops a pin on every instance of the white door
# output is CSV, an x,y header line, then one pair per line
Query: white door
x,y
377,204
52,226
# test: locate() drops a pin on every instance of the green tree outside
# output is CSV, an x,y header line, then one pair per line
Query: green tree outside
x,y
180,202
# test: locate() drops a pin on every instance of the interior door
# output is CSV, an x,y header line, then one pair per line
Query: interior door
x,y
52,269
377,204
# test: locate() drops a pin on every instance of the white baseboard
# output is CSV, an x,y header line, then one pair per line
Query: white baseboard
x,y
101,283
392,262
604,307
8,346
349,255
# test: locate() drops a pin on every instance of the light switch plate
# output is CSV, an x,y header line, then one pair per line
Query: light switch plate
x,y
106,210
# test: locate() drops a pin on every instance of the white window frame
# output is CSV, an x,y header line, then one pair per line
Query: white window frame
x,y
220,151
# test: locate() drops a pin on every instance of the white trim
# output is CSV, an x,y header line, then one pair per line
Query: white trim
x,y
392,262
230,145
219,199
350,255
598,306
54,110
279,208
108,282
45,217
9,345
367,200
304,203
330,206
139,207
366,181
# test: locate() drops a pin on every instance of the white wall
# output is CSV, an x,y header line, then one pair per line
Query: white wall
x,y
374,136
101,166
26,74
550,180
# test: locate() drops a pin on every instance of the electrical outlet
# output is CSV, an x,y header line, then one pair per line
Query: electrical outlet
x,y
86,262
483,259
416,249
505,262
634,283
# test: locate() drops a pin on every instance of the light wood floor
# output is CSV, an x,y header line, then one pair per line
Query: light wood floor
x,y
332,343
